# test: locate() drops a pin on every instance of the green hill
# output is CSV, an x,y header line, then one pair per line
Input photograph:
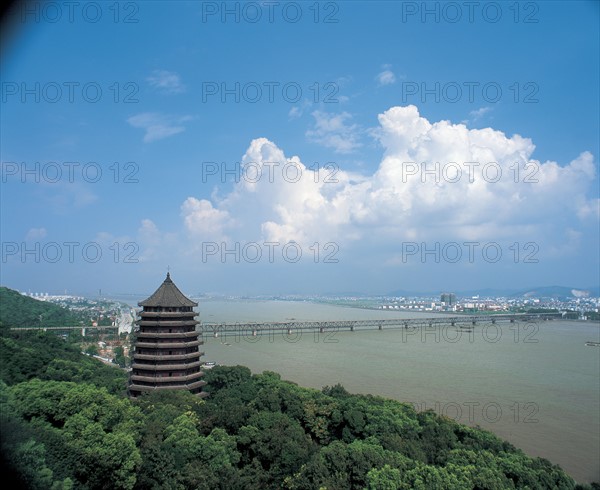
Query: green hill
x,y
17,310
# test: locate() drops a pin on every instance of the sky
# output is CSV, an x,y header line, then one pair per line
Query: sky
x,y
274,148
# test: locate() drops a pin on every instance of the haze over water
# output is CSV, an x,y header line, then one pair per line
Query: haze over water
x,y
536,387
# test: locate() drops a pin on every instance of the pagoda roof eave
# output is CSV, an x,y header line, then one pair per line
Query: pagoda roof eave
x,y
168,295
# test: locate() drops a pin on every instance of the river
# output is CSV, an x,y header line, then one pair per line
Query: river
x,y
538,386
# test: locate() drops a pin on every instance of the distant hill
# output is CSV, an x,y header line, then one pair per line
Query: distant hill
x,y
486,292
17,310
558,292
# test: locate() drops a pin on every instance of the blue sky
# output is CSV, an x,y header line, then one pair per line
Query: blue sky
x,y
376,93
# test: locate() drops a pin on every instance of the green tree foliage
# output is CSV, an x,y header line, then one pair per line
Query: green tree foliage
x,y
120,359
92,350
200,461
35,354
84,436
220,377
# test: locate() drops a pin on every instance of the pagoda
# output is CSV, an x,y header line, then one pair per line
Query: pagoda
x,y
167,345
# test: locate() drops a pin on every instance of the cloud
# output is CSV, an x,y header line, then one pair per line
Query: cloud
x,y
516,198
65,197
298,110
332,131
158,126
148,230
203,220
589,209
386,77
369,216
166,81
295,112
36,234
477,114
155,245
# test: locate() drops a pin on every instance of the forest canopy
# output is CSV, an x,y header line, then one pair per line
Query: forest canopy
x,y
17,311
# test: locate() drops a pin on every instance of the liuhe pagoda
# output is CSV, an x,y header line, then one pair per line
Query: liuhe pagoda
x,y
166,345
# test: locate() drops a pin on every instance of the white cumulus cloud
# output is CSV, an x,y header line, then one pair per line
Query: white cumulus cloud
x,y
204,220
437,181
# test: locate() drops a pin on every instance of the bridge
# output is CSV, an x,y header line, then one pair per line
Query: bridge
x,y
83,329
291,327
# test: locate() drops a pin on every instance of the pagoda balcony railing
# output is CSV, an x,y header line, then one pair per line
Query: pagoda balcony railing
x,y
166,379
166,323
189,386
168,345
164,367
166,335
165,357
168,314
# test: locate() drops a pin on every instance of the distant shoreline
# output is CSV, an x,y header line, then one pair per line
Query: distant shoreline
x,y
133,304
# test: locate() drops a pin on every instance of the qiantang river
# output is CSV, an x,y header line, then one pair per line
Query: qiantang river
x,y
537,387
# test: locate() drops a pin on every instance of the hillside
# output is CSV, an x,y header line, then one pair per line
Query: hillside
x,y
17,310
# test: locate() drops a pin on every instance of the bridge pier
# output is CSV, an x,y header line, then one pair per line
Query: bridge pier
x,y
380,326
254,333
352,328
453,323
321,329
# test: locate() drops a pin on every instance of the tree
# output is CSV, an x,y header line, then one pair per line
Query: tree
x,y
120,357
91,435
225,377
200,462
92,350
386,478
277,441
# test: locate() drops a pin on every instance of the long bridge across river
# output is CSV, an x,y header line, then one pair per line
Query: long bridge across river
x,y
66,329
292,327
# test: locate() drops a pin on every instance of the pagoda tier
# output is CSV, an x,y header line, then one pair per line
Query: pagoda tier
x,y
166,344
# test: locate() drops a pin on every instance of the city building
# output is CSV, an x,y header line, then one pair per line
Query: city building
x,y
448,299
166,345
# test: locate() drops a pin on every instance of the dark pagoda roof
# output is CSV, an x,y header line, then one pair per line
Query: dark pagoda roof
x,y
168,295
